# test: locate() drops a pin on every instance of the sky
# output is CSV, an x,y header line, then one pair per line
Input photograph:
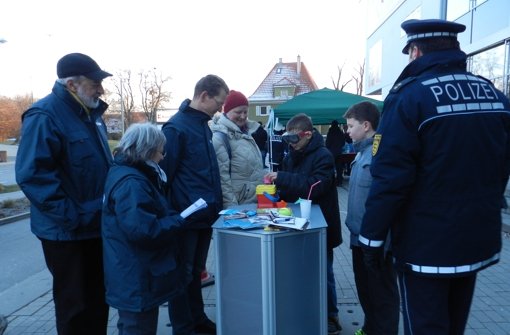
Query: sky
x,y
239,40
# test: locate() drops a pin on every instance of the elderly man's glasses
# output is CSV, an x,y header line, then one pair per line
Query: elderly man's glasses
x,y
294,138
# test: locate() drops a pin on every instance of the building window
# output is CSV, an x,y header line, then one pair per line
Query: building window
x,y
374,65
457,8
506,83
279,70
263,110
490,64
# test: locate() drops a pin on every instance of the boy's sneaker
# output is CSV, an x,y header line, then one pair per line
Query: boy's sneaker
x,y
206,278
334,327
3,324
360,332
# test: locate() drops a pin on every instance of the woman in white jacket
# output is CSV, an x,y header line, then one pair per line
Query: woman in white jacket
x,y
238,155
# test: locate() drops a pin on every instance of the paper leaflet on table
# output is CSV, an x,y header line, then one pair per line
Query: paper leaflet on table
x,y
197,205
242,223
293,223
262,221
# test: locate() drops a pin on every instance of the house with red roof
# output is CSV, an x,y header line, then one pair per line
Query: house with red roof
x,y
282,83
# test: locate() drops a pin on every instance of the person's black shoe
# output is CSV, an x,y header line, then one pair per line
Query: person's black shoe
x,y
334,327
206,327
4,323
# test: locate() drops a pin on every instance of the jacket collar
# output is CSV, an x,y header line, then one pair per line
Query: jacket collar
x,y
447,60
359,146
186,108
61,91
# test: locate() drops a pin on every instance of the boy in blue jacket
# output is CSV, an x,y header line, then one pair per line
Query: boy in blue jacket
x,y
378,294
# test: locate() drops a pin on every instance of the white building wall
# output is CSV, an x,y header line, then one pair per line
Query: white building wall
x,y
487,25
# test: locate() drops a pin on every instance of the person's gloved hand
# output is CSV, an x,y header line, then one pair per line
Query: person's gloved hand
x,y
374,260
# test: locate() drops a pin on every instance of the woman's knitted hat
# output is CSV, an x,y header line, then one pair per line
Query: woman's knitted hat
x,y
234,99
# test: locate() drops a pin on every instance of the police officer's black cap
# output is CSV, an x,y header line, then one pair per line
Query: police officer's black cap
x,y
431,28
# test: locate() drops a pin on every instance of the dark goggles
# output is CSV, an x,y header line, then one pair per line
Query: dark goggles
x,y
293,138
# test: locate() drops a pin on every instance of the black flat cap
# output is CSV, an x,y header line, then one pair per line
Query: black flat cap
x,y
77,64
431,28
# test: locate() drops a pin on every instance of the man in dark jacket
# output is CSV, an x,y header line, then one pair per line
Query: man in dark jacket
x,y
260,137
307,163
277,149
61,166
335,141
444,211
192,171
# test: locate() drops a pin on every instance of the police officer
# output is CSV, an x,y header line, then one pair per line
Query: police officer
x,y
436,186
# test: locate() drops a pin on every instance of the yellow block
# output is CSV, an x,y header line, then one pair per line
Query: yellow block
x,y
270,189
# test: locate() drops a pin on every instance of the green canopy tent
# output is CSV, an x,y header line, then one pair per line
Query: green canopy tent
x,y
323,106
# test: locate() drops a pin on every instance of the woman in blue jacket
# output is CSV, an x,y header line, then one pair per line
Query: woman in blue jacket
x,y
139,232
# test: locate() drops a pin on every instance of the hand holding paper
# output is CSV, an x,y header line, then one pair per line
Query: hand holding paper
x,y
197,205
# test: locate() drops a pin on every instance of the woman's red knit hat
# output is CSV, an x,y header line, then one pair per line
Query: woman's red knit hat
x,y
234,99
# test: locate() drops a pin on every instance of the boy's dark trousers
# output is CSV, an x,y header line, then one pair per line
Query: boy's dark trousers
x,y
378,295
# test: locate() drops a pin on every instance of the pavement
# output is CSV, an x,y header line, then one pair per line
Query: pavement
x,y
30,309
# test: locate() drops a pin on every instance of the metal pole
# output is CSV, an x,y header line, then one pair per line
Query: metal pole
x,y
122,106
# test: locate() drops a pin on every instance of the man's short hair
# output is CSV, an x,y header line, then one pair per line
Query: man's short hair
x,y
212,84
435,44
364,111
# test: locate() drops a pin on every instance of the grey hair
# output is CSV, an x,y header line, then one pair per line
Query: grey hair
x,y
140,142
64,81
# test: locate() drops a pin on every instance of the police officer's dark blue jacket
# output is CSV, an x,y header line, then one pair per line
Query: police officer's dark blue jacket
x,y
142,269
436,185
61,166
191,165
300,170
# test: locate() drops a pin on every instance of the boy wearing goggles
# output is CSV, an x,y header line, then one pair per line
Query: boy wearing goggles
x,y
308,162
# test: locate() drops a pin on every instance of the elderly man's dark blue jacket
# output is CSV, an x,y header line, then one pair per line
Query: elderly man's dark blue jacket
x,y
191,165
61,166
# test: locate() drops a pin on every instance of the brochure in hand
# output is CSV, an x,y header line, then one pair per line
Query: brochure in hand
x,y
199,204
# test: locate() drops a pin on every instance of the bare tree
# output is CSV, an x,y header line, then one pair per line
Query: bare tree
x,y
358,79
336,83
152,93
125,104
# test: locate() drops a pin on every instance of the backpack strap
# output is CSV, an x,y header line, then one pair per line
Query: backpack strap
x,y
226,143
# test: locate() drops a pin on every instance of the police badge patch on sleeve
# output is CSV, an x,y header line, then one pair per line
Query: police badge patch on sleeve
x,y
375,145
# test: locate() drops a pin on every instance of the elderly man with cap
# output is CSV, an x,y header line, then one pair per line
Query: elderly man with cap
x,y
435,186
61,166
238,154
